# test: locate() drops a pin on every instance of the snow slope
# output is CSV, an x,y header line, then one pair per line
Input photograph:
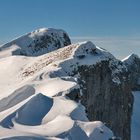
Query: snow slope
x,y
33,101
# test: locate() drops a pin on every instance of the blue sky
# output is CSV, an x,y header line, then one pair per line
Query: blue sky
x,y
97,20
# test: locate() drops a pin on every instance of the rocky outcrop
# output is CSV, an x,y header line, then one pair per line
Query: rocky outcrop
x,y
106,100
105,88
132,63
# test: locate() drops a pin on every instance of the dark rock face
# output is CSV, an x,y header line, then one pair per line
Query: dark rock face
x,y
133,66
74,95
106,100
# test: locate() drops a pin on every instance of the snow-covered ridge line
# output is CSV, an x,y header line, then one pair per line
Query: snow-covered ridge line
x,y
75,51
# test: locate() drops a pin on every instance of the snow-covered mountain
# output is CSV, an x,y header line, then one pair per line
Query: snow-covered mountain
x,y
132,63
52,89
36,43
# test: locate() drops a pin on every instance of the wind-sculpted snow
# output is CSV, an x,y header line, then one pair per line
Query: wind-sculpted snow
x,y
16,97
34,110
52,117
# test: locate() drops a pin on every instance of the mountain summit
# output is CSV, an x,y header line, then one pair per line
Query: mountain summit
x,y
36,43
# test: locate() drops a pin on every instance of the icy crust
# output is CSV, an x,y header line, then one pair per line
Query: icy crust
x,y
36,43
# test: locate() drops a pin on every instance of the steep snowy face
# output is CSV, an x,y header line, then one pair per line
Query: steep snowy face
x,y
36,43
132,62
